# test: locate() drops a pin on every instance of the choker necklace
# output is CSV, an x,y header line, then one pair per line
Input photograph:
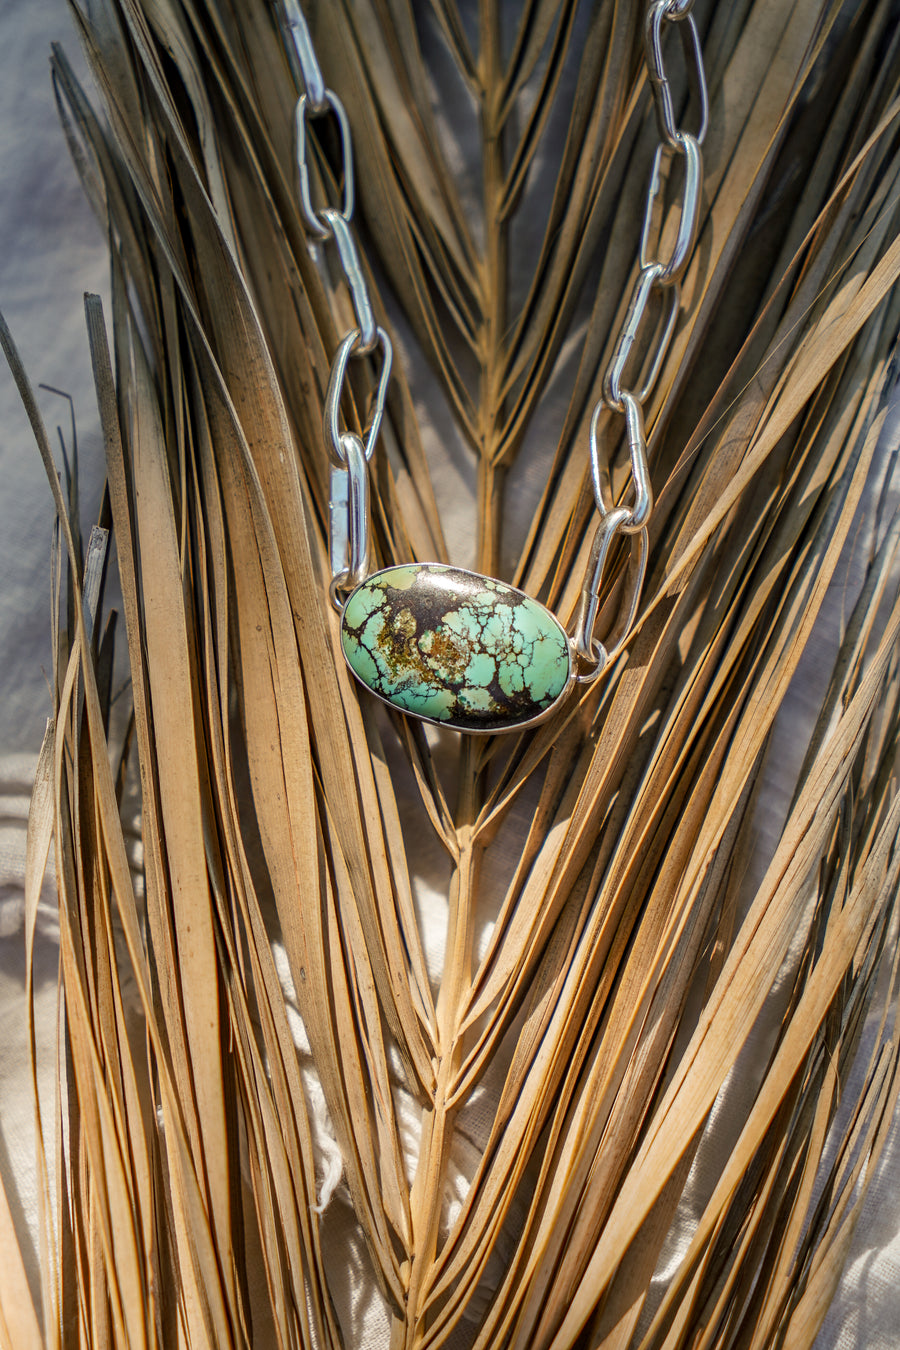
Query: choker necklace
x,y
441,643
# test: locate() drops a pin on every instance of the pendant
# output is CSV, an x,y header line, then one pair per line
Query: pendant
x,y
456,648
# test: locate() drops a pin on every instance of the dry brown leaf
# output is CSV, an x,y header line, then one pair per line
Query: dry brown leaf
x,y
598,986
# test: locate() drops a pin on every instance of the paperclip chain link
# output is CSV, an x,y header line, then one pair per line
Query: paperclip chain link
x,y
350,456
619,394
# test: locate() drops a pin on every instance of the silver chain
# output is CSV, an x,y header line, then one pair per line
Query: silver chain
x,y
348,541
656,277
624,391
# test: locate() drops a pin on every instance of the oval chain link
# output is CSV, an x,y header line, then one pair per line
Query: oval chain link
x,y
349,504
310,71
352,346
315,220
671,11
657,282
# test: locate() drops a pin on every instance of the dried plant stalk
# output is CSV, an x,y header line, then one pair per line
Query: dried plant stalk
x,y
261,983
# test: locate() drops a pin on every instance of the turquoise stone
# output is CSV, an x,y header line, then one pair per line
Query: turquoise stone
x,y
454,647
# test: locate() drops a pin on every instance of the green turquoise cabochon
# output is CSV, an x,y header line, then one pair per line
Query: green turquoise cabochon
x,y
454,647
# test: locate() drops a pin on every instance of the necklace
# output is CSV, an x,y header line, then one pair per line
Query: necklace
x,y
451,646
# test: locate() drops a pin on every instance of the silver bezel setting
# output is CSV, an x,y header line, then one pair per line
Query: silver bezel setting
x,y
526,725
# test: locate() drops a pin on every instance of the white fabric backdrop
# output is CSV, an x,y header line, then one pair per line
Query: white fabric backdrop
x,y
51,250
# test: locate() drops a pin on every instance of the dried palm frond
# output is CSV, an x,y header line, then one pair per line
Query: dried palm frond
x,y
516,1130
